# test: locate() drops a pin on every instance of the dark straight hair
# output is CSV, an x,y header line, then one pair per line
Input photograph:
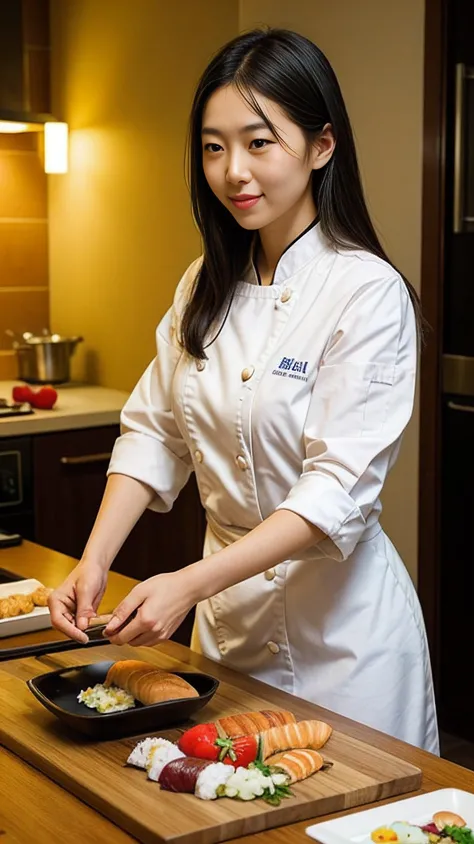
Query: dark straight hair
x,y
287,68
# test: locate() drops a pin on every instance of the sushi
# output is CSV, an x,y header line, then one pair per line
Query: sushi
x,y
200,777
150,753
160,754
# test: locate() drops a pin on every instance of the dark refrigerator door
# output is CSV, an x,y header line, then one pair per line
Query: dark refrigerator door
x,y
457,569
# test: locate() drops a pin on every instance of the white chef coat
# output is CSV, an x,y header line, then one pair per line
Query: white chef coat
x,y
301,406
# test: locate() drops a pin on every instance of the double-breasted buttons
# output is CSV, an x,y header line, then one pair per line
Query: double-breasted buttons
x,y
241,462
247,373
273,647
198,456
270,574
286,295
200,365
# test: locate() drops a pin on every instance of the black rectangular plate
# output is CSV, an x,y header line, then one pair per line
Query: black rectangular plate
x,y
58,691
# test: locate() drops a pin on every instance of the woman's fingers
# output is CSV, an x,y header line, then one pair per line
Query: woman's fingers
x,y
61,610
122,614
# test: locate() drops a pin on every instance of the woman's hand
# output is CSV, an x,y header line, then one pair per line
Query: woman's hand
x,y
76,601
162,602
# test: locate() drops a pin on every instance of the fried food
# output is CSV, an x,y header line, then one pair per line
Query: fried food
x,y
40,596
16,605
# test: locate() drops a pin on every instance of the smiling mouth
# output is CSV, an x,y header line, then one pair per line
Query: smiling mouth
x,y
245,200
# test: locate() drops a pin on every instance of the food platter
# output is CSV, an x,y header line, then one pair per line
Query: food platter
x,y
38,619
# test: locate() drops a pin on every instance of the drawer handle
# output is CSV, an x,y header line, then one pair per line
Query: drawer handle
x,y
86,458
465,407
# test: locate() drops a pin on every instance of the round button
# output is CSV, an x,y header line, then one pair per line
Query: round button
x,y
273,647
199,456
200,365
270,574
286,295
241,462
247,373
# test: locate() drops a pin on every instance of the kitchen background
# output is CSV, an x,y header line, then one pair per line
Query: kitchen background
x,y
100,249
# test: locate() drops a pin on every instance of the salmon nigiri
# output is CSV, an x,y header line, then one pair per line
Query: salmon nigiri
x,y
297,764
302,734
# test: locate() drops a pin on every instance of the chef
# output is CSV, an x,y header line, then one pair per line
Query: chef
x,y
288,399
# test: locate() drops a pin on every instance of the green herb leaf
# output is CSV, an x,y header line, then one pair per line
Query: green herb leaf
x,y
280,792
460,834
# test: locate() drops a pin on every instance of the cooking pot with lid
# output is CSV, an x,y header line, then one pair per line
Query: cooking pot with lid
x,y
45,359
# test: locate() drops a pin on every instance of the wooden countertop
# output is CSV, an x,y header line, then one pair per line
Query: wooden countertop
x,y
51,568
57,816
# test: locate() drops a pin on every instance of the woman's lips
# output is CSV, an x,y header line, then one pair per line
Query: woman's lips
x,y
244,201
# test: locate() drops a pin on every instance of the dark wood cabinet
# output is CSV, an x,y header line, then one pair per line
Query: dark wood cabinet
x,y
69,476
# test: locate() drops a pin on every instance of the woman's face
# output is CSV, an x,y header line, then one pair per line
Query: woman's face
x,y
258,179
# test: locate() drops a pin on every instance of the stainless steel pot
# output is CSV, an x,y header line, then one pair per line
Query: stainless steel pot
x,y
45,360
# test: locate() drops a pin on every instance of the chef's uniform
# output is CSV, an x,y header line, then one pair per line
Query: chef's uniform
x,y
301,405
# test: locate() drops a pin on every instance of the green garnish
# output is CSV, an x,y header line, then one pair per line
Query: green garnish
x,y
281,791
460,834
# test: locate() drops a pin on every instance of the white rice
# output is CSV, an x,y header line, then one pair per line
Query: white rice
x,y
141,751
211,778
162,752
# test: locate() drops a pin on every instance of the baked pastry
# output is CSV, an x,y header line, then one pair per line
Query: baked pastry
x,y
147,683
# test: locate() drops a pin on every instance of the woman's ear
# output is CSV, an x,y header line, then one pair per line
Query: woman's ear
x,y
323,147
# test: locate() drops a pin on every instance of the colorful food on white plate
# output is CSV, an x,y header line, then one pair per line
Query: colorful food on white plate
x,y
445,827
210,767
129,681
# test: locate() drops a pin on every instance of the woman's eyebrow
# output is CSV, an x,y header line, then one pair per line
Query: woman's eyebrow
x,y
252,127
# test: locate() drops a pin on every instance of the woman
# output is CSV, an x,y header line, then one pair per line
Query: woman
x,y
284,377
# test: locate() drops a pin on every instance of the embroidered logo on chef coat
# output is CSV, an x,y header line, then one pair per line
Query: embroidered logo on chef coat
x,y
292,368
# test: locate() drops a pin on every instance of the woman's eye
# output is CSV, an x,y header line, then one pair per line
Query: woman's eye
x,y
260,143
212,147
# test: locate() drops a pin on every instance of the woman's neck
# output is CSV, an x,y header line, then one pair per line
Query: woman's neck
x,y
276,237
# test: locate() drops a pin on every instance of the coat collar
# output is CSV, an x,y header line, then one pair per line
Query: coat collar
x,y
310,244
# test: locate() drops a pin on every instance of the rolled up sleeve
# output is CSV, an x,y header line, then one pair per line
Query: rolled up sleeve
x,y
361,403
151,447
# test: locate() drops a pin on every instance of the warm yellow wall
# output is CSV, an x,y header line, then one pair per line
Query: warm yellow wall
x,y
376,49
121,231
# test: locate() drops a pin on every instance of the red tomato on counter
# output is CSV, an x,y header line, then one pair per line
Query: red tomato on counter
x,y
43,399
22,393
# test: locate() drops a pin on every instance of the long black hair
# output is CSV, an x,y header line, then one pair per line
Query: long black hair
x,y
287,68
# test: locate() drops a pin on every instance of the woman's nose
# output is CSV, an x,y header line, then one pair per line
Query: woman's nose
x,y
237,169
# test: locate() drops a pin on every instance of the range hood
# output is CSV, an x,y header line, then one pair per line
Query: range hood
x,y
24,66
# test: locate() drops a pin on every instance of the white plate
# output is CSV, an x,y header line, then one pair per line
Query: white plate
x,y
357,826
39,619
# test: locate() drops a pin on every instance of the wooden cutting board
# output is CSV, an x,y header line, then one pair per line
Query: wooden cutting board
x,y
95,772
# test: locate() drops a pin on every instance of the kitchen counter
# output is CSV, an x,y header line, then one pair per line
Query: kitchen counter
x,y
56,815
78,406
51,568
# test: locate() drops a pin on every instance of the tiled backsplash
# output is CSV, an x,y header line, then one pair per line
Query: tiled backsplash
x,y
24,295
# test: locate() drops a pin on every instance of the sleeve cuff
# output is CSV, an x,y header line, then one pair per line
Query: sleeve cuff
x,y
150,461
323,502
